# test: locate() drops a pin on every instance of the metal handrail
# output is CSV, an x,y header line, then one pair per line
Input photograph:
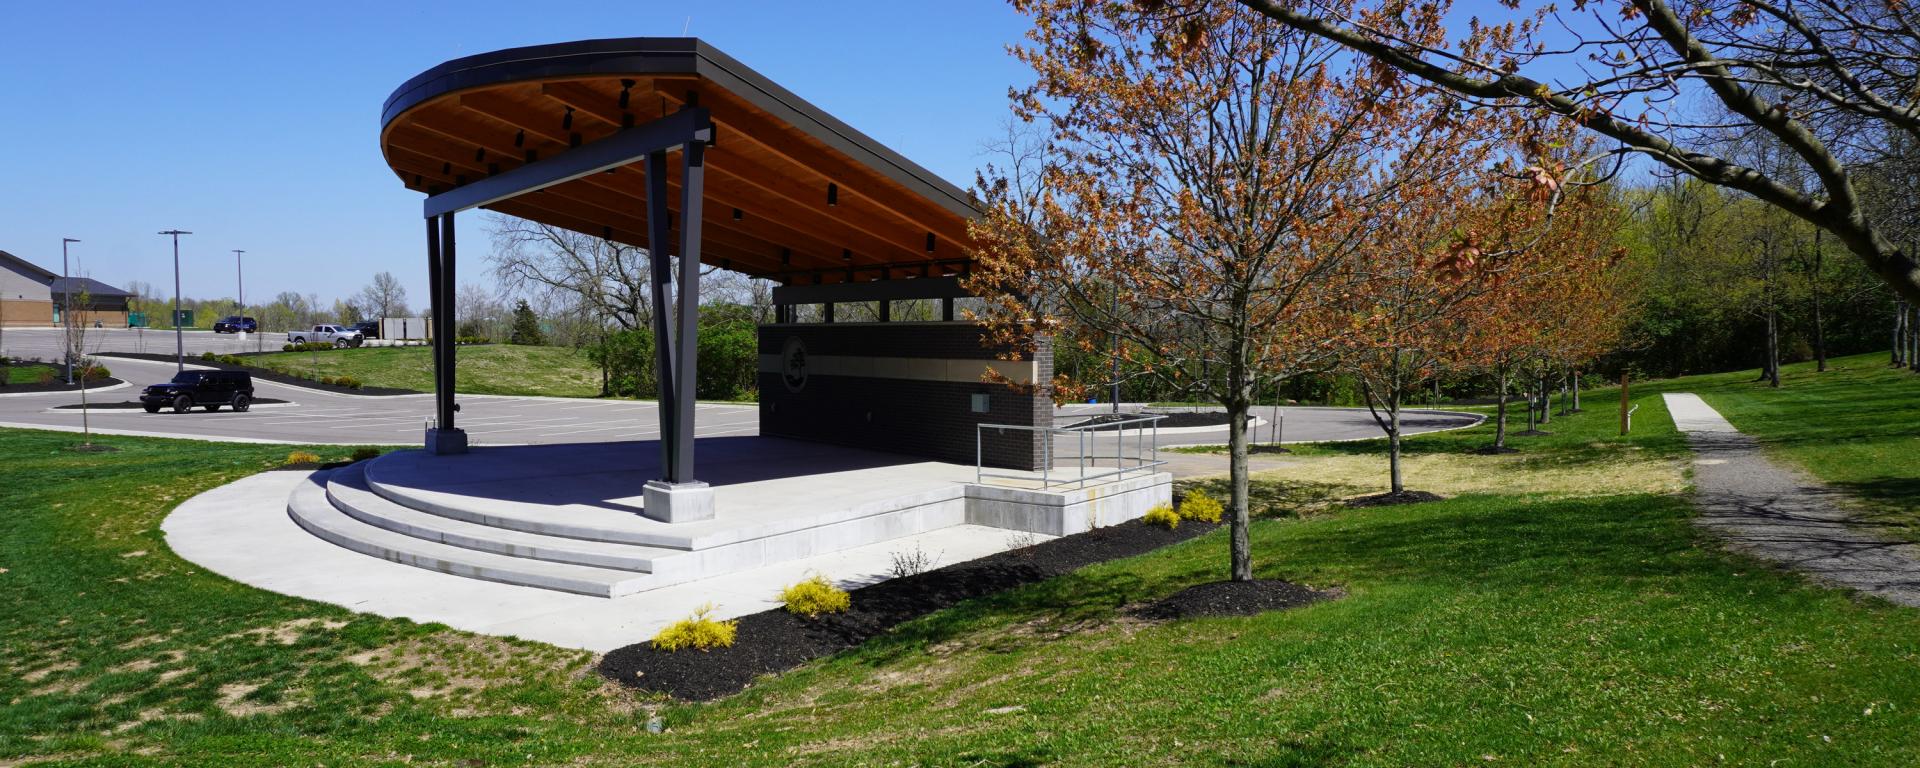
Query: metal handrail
x,y
1145,445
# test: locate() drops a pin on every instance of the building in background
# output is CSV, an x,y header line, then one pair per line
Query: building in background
x,y
34,297
26,293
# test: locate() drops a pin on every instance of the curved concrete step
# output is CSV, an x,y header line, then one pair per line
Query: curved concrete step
x,y
312,510
595,525
348,490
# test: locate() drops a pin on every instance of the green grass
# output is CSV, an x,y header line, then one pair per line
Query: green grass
x,y
1852,426
29,373
485,369
1524,627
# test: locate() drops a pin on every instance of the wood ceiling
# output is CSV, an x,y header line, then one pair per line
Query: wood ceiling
x,y
792,194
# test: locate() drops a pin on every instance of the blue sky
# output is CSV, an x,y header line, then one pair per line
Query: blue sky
x,y
255,125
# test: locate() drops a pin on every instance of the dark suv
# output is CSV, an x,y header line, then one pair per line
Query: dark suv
x,y
208,389
235,324
368,328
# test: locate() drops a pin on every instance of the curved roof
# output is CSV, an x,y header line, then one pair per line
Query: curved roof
x,y
791,192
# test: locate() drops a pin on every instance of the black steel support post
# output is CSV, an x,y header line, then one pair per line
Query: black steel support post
x,y
433,292
443,330
687,296
663,357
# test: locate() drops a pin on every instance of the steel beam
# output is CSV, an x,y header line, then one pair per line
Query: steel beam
x,y
443,330
623,148
687,297
434,278
663,357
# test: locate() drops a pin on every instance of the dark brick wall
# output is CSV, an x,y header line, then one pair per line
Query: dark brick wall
x,y
921,418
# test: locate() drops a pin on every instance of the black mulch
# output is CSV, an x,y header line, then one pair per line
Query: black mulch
x,y
55,384
1390,499
309,466
1182,419
124,404
274,376
1232,598
774,640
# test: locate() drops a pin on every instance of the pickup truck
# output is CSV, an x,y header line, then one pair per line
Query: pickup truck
x,y
337,335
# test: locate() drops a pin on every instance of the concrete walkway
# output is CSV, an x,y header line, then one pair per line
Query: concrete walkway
x,y
1780,515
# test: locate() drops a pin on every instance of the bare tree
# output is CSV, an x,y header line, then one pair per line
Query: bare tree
x,y
384,297
605,277
1831,80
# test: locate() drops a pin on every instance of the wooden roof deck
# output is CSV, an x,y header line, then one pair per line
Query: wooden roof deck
x,y
792,194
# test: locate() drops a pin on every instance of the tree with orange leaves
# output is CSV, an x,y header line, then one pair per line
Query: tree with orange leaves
x,y
1207,180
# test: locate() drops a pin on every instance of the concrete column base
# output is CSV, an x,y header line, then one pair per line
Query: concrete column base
x,y
446,442
677,502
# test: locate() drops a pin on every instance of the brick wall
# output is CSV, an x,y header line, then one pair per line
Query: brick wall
x,y
926,413
18,312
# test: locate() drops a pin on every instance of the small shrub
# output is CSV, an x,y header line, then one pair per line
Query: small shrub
x,y
286,347
1202,507
815,596
911,563
699,631
363,453
94,372
347,381
302,457
1162,515
206,355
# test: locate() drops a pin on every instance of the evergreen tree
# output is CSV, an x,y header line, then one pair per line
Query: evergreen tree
x,y
526,326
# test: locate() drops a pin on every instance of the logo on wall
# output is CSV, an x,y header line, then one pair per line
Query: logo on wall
x,y
793,364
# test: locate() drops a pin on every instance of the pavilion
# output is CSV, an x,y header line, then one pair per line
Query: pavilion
x,y
582,136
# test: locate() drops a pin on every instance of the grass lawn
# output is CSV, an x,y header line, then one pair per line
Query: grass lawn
x,y
1852,426
484,369
1541,617
28,373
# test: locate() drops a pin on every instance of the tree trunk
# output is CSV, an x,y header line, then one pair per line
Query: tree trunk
x,y
1531,424
1546,400
1773,349
1242,545
1576,391
1899,333
1393,442
1500,418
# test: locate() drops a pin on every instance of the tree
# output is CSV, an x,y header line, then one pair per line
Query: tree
x,y
383,298
526,326
1831,81
605,277
1206,176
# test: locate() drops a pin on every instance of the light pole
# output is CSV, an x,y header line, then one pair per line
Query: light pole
x,y
66,312
179,341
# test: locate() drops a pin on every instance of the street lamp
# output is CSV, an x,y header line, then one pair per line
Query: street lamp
x,y
240,281
179,341
66,312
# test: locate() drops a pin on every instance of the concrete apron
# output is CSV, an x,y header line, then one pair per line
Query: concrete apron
x,y
514,548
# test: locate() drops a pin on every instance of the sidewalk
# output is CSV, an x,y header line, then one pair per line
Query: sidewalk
x,y
1769,511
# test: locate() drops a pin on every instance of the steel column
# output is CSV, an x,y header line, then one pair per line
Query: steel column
x,y
443,325
433,294
687,296
663,357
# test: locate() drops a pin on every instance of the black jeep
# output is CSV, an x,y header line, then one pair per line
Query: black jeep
x,y
209,389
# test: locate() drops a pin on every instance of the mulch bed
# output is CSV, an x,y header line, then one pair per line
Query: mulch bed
x,y
134,404
273,376
1181,419
1232,598
56,384
1390,499
774,641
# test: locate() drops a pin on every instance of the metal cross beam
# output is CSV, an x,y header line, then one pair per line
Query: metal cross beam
x,y
623,148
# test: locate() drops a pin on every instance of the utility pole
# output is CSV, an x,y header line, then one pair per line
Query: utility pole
x,y
66,313
240,281
179,340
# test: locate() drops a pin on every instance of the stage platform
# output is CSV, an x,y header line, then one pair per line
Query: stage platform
x,y
568,517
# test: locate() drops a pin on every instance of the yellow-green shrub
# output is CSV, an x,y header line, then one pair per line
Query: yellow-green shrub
x,y
1162,515
815,596
1202,507
302,457
697,631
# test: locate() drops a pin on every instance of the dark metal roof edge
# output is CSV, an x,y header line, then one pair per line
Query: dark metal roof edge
x,y
45,274
674,55
88,284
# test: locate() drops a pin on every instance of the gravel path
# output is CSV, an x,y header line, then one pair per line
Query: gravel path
x,y
1780,515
